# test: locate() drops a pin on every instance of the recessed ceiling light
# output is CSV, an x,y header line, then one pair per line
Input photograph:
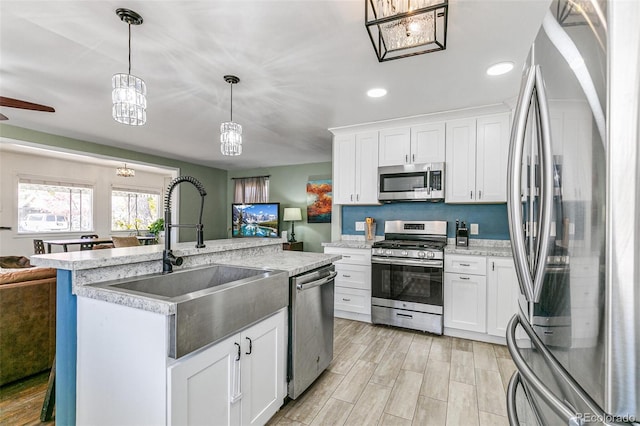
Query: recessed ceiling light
x,y
377,92
500,68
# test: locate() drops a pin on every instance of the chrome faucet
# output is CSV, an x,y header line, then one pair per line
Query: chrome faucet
x,y
168,259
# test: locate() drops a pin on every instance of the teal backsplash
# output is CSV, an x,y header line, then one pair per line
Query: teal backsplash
x,y
491,218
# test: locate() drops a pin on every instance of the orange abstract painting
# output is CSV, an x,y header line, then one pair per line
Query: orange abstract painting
x,y
319,197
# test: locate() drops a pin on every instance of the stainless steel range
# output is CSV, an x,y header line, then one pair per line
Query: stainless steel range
x,y
407,275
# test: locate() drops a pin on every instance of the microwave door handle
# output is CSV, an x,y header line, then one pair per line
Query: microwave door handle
x,y
429,188
514,178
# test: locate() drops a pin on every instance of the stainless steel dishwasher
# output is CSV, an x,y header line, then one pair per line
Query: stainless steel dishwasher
x,y
310,327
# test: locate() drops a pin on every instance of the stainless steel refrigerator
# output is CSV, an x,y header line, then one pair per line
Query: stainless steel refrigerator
x,y
574,219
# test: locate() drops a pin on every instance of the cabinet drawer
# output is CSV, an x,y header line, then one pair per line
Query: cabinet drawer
x,y
352,300
351,255
476,265
353,276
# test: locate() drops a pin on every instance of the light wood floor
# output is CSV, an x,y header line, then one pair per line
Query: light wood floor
x,y
21,402
388,376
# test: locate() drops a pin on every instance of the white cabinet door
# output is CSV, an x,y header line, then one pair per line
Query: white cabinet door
x,y
394,147
428,143
263,369
201,387
502,294
461,161
465,302
492,150
344,172
366,165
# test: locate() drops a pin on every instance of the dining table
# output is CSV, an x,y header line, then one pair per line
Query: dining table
x,y
90,241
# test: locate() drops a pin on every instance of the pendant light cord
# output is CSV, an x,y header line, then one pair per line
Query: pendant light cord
x,y
129,49
231,102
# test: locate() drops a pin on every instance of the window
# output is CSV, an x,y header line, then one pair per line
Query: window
x,y
251,189
54,206
133,209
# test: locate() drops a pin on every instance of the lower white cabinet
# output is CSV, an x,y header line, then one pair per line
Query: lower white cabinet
x,y
502,294
465,301
352,299
240,380
480,294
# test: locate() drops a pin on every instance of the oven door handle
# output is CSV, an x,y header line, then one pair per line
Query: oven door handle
x,y
408,262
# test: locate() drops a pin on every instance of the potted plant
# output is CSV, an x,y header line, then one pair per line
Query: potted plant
x,y
156,228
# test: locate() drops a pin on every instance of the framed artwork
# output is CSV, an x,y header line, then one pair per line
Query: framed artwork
x,y
319,198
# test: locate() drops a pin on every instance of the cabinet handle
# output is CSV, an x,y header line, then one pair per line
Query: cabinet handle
x,y
351,197
471,195
406,158
250,346
464,278
357,197
493,266
346,276
346,257
346,300
465,264
413,158
404,315
479,195
238,345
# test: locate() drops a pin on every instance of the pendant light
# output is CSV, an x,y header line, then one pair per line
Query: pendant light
x,y
129,94
230,132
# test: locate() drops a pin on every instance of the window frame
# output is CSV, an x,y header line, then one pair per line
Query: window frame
x,y
135,189
52,181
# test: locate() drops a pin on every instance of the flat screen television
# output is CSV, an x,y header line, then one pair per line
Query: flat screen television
x,y
255,220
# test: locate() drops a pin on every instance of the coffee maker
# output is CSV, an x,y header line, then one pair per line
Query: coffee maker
x,y
462,234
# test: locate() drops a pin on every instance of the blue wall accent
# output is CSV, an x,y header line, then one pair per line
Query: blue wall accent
x,y
491,218
66,345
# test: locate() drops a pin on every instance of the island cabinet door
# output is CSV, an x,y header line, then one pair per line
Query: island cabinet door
x,y
203,387
263,369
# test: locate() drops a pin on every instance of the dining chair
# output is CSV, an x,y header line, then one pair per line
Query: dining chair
x,y
125,241
38,247
87,246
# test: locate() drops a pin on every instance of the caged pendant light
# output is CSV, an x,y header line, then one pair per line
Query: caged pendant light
x,y
230,132
129,93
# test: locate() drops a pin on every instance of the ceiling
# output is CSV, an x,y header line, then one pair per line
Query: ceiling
x,y
304,67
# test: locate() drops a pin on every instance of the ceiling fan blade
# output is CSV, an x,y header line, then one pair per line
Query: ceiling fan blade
x,y
3,117
17,103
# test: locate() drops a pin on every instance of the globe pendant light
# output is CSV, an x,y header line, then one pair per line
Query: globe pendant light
x,y
230,132
129,94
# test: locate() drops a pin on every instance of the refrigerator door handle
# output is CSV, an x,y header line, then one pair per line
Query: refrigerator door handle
x,y
514,176
546,198
559,407
512,413
529,377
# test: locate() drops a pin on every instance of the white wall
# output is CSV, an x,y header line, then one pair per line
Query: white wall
x,y
15,164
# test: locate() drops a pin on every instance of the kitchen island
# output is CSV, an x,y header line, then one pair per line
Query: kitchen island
x,y
77,271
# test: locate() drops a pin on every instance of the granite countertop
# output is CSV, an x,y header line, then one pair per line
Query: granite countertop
x,y
90,259
349,244
292,262
498,248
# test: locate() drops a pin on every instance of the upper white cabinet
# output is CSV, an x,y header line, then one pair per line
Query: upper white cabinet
x,y
408,145
476,159
355,168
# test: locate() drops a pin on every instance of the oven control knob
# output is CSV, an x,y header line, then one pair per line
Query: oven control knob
x,y
421,254
389,252
404,252
431,255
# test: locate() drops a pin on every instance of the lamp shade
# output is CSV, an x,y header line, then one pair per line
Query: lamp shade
x,y
292,214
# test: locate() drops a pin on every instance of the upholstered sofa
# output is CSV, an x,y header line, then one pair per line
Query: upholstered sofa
x,y
27,321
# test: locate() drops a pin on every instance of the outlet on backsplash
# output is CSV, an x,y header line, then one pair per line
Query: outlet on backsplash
x,y
474,229
359,226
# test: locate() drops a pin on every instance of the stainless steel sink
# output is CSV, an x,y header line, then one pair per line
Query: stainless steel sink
x,y
210,302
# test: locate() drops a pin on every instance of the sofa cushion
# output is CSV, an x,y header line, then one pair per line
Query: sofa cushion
x,y
8,276
14,262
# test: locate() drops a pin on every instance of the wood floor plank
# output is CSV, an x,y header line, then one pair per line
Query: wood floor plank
x,y
354,383
441,349
488,419
417,357
430,412
389,367
389,420
462,367
484,356
506,367
334,412
491,394
436,380
370,406
345,360
307,406
404,396
462,407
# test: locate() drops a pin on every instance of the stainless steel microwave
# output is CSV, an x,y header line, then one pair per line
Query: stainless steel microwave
x,y
411,182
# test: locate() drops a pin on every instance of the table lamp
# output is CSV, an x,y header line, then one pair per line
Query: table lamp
x,y
292,214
